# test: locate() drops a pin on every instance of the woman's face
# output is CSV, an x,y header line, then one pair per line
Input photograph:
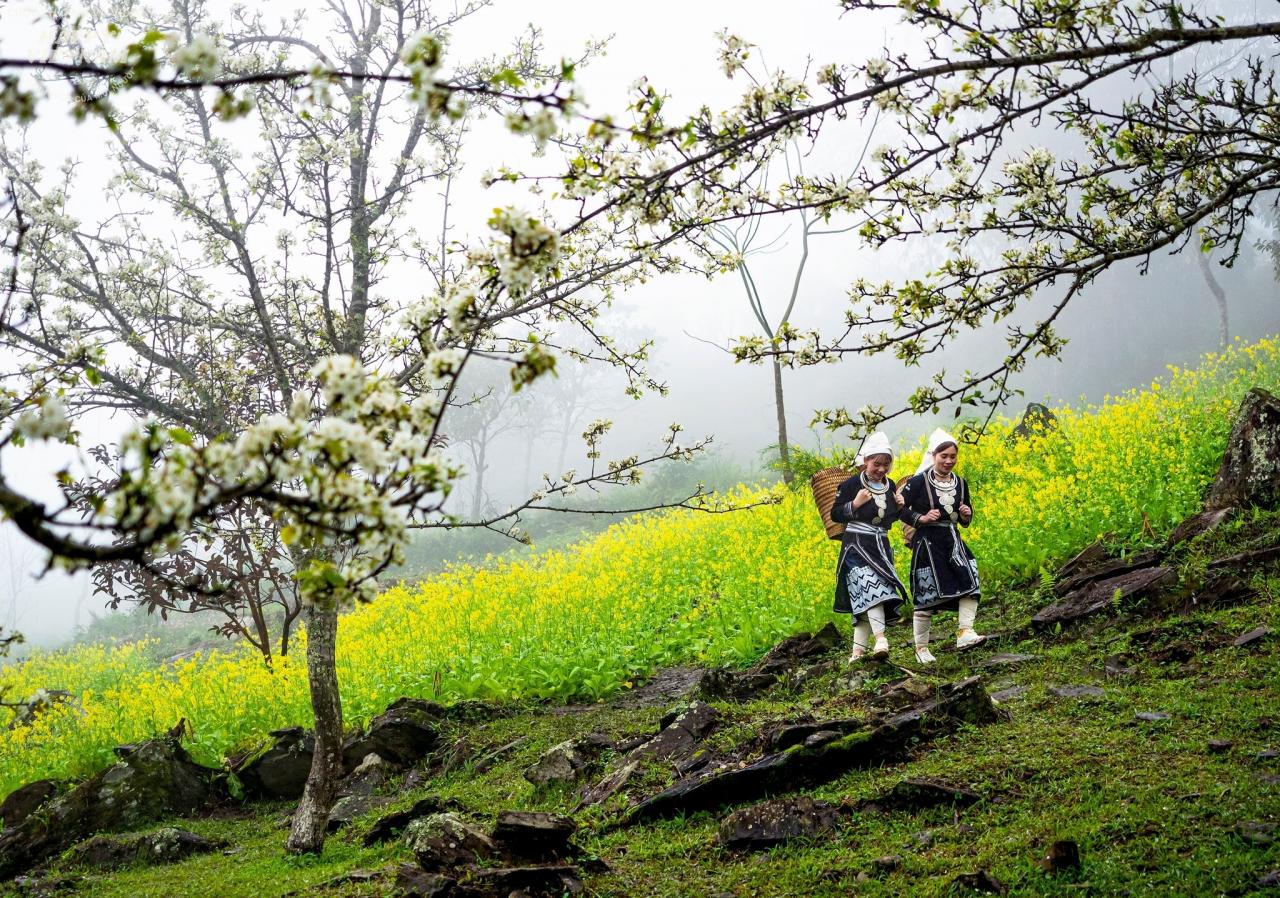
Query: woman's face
x,y
945,459
877,467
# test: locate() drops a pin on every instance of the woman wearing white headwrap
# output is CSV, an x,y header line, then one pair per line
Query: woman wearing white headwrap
x,y
944,573
866,584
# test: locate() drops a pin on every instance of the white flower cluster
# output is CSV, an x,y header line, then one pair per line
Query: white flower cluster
x,y
1033,178
351,475
422,54
46,421
530,248
540,124
733,52
199,59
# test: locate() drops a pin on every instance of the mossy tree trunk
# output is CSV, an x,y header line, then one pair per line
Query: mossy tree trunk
x,y
311,819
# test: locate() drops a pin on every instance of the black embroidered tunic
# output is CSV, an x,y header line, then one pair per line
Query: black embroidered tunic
x,y
943,569
865,576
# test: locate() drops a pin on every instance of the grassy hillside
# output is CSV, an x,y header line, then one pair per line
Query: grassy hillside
x,y
662,589
1156,809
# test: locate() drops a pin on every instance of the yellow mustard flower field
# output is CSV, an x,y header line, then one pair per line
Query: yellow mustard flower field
x,y
656,590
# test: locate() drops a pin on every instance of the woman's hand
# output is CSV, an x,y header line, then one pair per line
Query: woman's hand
x,y
966,513
863,497
930,516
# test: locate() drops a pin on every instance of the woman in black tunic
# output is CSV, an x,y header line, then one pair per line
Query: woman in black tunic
x,y
866,584
944,573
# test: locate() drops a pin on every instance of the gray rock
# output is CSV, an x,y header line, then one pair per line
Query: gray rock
x,y
1150,716
1063,855
402,734
535,882
414,882
1250,471
20,803
567,762
531,834
1251,637
151,781
372,774
611,784
794,649
923,839
279,768
446,840
1085,691
1006,695
1087,558
350,808
392,825
1099,594
1105,569
774,822
798,733
682,729
1219,746
982,881
808,766
1269,880
887,864
164,846
1198,524
1114,667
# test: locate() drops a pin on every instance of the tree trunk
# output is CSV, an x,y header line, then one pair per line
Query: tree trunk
x,y
477,497
311,819
784,451
1220,295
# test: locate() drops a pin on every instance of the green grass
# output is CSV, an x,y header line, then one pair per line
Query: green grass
x,y
1153,809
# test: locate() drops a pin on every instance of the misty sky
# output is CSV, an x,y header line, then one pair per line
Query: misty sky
x,y
1123,331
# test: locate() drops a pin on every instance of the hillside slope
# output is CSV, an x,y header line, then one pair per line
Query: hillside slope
x,y
1158,759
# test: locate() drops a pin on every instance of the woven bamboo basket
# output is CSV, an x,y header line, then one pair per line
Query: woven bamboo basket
x,y
825,484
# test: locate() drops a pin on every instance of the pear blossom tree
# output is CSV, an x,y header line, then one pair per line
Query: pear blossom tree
x,y
261,340
346,455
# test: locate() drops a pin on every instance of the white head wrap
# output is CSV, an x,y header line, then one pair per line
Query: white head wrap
x,y
876,444
938,438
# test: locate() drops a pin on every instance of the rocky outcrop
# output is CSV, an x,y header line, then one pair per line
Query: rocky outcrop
x,y
164,846
567,762
402,734
791,660
531,834
806,766
22,801
774,822
152,780
446,840
393,824
524,855
279,768
1099,594
682,729
1250,471
350,808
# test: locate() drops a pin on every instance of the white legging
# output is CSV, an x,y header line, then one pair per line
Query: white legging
x,y
921,620
869,624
